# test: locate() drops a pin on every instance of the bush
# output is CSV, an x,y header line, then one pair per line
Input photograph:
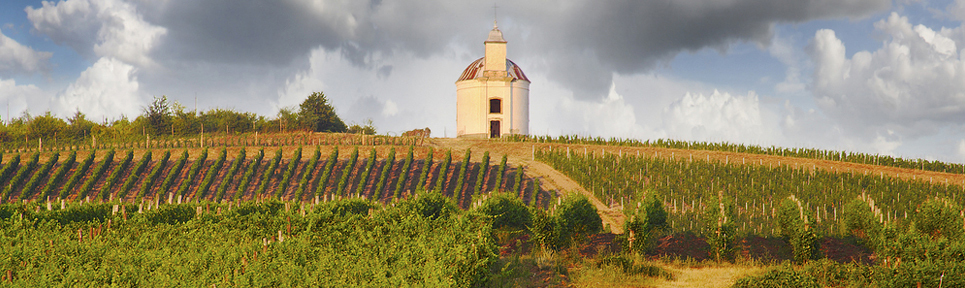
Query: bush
x,y
113,177
483,167
719,228
500,172
135,175
443,173
155,173
463,169
211,174
249,173
35,179
795,225
939,218
174,173
307,174
326,173
289,171
426,166
9,168
574,220
507,211
784,277
269,173
386,169
21,176
229,177
860,221
518,186
404,174
346,172
644,225
96,174
365,173
192,173
59,174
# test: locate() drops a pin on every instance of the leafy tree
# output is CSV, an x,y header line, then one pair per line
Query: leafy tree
x,y
796,227
507,211
720,230
316,114
46,126
79,127
367,129
159,116
645,224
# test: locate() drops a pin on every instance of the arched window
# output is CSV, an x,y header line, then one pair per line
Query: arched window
x,y
495,106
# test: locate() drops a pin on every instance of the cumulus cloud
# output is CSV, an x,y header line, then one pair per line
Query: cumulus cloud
x,y
912,85
16,58
720,116
17,98
106,28
107,89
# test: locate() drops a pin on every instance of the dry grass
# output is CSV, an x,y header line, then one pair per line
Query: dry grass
x,y
724,275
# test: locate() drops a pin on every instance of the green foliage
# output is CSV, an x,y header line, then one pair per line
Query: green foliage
x,y
317,115
860,221
429,205
113,177
367,129
192,173
518,186
21,176
719,229
159,116
58,175
782,277
229,177
443,172
269,173
939,218
249,173
326,173
463,170
289,172
346,172
500,172
173,173
364,177
644,224
9,168
404,174
483,167
135,175
628,267
96,174
307,174
148,183
571,223
795,225
386,169
211,174
507,212
426,167
28,189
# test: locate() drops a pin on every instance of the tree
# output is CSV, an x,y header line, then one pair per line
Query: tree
x,y
80,127
316,114
46,126
367,129
159,116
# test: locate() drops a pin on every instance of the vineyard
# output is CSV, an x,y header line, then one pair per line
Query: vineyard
x,y
377,174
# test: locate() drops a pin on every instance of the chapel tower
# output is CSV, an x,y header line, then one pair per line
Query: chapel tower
x,y
492,94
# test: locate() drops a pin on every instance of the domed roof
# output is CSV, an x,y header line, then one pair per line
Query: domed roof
x,y
475,70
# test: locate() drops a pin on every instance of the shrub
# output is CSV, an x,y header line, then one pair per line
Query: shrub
x,y
860,221
229,177
518,186
719,228
249,173
35,179
307,174
507,211
365,173
938,218
148,183
9,168
795,225
346,172
211,174
96,174
21,176
644,225
59,174
289,171
135,175
500,172
174,173
113,177
386,169
269,173
404,174
443,173
457,193
192,173
574,220
426,166
483,167
326,173
784,277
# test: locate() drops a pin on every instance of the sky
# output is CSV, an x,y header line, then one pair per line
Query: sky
x,y
872,76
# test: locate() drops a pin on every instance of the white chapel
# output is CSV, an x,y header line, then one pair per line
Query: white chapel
x,y
492,94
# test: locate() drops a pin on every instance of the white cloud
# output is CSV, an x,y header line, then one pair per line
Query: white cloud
x,y
99,28
913,85
720,116
17,98
108,89
16,58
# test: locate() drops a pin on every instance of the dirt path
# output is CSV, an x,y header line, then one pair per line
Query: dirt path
x,y
550,179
